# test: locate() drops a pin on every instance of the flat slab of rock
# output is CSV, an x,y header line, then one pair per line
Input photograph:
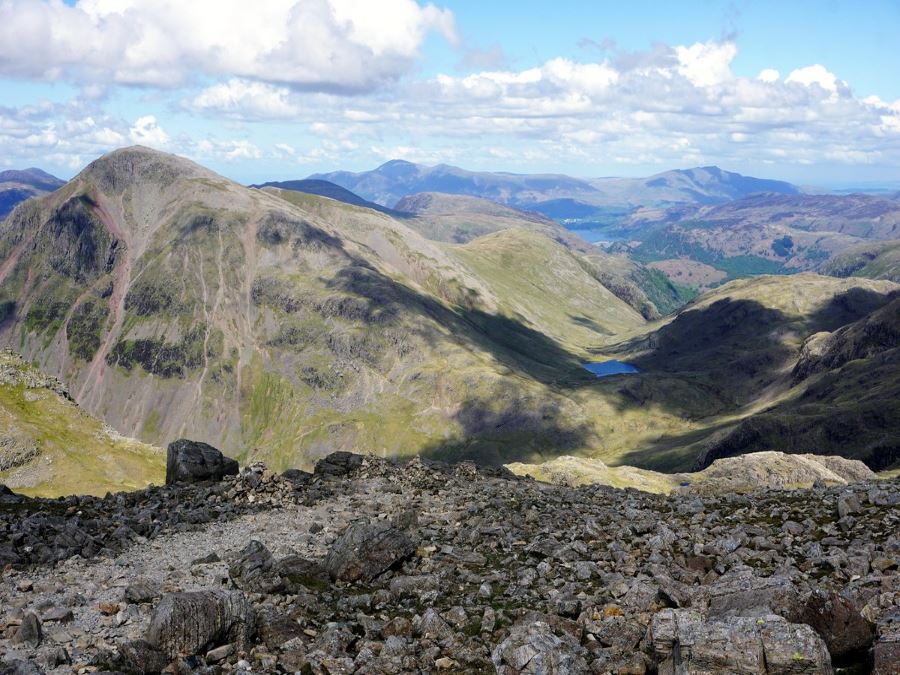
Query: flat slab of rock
x,y
195,622
193,462
535,649
365,550
684,642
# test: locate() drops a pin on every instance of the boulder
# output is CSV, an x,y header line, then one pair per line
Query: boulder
x,y
535,648
195,622
7,496
194,462
365,550
139,656
338,464
838,622
683,641
253,570
19,667
30,632
741,593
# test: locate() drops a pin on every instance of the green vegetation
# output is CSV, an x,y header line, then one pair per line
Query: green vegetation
x,y
662,292
76,453
49,308
166,359
85,329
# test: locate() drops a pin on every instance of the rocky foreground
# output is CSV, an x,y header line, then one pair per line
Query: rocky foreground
x,y
371,566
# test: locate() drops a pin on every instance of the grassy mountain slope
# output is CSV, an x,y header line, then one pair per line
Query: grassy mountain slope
x,y
742,344
874,260
50,447
17,186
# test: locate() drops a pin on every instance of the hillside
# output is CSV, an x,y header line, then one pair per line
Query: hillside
x,y
811,363
18,185
765,233
323,188
874,260
297,324
50,447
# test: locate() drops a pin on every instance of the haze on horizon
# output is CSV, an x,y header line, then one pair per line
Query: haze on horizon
x,y
797,91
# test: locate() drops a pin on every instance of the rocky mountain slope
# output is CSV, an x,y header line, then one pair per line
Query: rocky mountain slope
x,y
281,325
18,185
49,447
560,196
368,566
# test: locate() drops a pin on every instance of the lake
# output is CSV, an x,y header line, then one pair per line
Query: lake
x,y
604,368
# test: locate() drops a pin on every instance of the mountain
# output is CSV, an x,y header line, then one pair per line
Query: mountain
x,y
813,366
447,218
323,188
762,233
873,260
282,325
558,196
49,447
16,186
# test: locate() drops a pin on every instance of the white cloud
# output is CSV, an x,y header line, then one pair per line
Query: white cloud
x,y
769,75
812,75
706,63
243,99
146,131
316,44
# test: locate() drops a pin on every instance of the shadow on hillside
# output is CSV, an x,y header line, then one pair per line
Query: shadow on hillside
x,y
508,426
510,341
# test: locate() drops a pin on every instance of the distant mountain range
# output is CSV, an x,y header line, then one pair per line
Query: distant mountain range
x,y
556,195
16,186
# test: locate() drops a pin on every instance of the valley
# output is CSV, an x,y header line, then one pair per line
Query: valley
x,y
280,325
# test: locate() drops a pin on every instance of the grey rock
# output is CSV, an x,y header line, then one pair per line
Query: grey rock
x,y
253,570
192,462
19,667
364,550
139,656
195,622
29,632
535,649
683,642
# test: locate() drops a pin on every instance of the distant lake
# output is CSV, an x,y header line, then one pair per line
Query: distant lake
x,y
604,368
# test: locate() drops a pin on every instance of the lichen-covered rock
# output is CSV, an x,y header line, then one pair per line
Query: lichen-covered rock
x,y
683,641
536,650
139,656
194,622
743,593
365,550
192,462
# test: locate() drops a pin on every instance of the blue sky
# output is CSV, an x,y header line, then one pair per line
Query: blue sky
x,y
276,89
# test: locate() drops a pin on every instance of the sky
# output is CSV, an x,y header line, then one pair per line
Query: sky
x,y
279,89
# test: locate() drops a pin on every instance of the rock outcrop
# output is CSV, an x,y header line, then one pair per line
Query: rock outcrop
x,y
193,462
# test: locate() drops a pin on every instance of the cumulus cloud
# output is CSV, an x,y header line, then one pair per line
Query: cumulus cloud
x,y
147,131
343,45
